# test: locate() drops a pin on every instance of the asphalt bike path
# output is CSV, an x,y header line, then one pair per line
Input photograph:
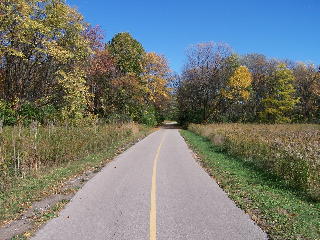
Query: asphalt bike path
x,y
154,190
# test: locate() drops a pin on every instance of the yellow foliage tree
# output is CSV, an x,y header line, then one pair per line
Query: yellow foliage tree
x,y
44,41
156,76
238,86
76,95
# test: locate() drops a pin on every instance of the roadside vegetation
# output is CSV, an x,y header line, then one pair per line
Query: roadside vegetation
x,y
292,152
27,150
36,162
284,212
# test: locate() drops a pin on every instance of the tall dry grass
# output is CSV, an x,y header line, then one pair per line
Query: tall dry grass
x,y
25,150
289,151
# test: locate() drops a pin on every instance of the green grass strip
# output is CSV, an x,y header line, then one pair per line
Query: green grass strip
x,y
281,211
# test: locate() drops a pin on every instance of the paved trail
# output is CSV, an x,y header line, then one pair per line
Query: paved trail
x,y
155,190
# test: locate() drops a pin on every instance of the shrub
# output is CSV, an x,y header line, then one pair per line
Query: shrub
x,y
26,113
7,115
117,118
149,117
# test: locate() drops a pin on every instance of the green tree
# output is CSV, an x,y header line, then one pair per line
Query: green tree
x,y
125,95
127,52
279,105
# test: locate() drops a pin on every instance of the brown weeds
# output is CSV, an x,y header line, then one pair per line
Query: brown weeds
x,y
289,151
24,150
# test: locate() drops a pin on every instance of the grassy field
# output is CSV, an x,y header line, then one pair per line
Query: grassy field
x,y
291,152
282,211
35,162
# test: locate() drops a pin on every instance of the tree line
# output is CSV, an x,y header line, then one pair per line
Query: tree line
x,y
55,67
218,85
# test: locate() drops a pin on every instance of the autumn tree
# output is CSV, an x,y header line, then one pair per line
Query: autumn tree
x,y
279,104
126,82
205,74
127,52
125,95
42,47
237,88
1,84
308,90
261,69
75,94
127,98
101,70
237,93
209,94
156,75
50,58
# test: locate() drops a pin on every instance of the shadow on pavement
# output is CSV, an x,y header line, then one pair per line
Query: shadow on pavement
x,y
171,125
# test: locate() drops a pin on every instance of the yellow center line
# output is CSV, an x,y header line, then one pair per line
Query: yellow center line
x,y
153,205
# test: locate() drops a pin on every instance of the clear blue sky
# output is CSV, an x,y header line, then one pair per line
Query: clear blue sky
x,y
276,28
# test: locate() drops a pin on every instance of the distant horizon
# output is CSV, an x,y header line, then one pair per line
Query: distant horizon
x,y
286,31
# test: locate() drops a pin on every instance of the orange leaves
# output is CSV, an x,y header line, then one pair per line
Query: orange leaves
x,y
101,63
155,64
